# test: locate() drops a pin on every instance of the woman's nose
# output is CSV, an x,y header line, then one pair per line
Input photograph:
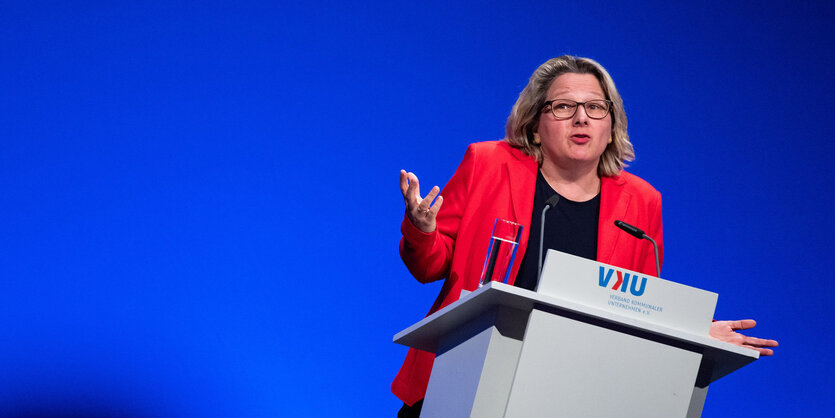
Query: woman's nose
x,y
580,116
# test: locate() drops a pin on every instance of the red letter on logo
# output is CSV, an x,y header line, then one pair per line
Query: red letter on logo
x,y
620,280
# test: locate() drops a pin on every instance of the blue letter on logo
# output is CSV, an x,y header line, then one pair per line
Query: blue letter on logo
x,y
605,282
625,283
638,292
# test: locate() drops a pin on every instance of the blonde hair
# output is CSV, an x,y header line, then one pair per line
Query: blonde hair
x,y
524,117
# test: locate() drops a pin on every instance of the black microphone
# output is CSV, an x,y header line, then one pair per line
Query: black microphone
x,y
637,233
548,205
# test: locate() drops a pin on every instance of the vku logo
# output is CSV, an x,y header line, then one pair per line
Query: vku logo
x,y
623,281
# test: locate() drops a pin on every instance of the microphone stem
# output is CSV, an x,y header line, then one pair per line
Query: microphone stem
x,y
655,247
541,240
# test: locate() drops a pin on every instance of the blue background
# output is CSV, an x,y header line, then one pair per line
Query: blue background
x,y
199,204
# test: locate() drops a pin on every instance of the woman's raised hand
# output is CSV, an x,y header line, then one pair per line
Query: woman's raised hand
x,y
421,211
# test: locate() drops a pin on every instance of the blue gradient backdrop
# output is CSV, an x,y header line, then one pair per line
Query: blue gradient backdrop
x,y
199,210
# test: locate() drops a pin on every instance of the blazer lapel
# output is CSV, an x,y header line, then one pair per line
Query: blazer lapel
x,y
614,204
522,174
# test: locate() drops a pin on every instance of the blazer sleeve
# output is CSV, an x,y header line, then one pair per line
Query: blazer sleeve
x,y
428,256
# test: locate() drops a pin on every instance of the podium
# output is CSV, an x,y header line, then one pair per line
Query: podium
x,y
503,351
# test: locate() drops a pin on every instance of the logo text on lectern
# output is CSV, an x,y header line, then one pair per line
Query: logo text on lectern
x,y
624,282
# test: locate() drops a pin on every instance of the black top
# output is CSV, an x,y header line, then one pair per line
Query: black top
x,y
570,227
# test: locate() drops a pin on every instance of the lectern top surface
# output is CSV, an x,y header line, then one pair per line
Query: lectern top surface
x,y
425,334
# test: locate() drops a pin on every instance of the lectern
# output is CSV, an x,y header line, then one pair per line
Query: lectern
x,y
588,343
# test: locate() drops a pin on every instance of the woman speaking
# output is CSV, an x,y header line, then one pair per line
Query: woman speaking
x,y
566,136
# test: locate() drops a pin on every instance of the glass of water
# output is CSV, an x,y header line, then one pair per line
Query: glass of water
x,y
502,250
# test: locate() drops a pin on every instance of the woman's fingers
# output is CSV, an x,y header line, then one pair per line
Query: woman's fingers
x,y
761,348
743,324
759,342
410,188
763,351
426,203
751,341
433,193
421,211
413,192
433,211
727,331
404,182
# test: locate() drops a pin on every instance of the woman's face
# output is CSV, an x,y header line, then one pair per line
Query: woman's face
x,y
578,139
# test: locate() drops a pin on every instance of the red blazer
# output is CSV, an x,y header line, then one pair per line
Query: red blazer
x,y
493,181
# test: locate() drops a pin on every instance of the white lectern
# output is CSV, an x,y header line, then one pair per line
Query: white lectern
x,y
502,351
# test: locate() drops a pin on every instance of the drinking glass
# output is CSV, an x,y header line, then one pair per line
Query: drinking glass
x,y
503,244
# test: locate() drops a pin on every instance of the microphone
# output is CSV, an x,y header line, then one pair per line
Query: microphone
x,y
631,230
637,233
548,205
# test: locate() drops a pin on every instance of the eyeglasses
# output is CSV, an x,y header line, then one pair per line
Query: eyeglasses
x,y
565,109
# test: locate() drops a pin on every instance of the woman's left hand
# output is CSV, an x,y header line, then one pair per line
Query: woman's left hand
x,y
726,331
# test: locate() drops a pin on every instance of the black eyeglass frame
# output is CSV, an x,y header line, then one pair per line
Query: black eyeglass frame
x,y
576,106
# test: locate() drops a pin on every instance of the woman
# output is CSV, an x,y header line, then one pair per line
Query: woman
x,y
566,135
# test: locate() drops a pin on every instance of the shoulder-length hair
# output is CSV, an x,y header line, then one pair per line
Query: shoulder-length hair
x,y
524,118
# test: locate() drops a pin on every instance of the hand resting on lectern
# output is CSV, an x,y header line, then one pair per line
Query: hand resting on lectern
x,y
726,331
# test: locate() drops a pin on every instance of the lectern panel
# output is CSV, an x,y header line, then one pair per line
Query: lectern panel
x,y
474,366
569,368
